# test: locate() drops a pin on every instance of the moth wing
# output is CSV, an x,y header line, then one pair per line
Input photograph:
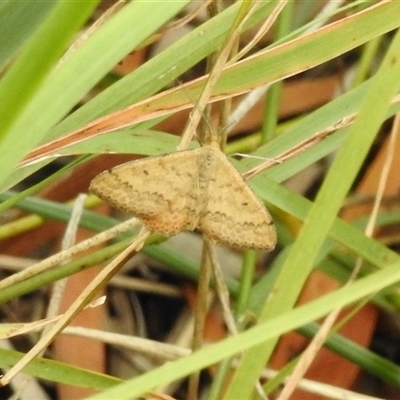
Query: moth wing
x,y
234,215
161,191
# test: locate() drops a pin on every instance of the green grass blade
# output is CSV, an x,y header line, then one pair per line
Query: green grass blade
x,y
29,117
265,67
59,372
322,214
18,21
40,54
253,336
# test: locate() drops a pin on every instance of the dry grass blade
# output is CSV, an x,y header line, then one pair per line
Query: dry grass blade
x,y
303,146
85,297
61,257
327,391
319,339
17,329
165,351
67,243
219,64
266,26
181,22
92,29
